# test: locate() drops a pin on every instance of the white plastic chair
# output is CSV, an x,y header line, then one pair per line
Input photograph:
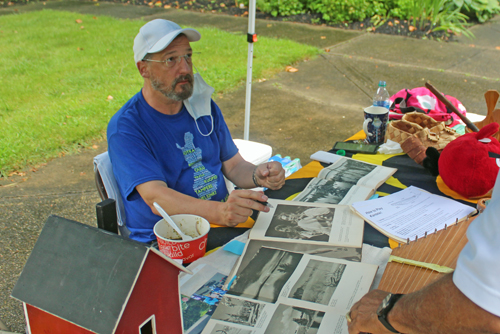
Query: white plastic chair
x,y
107,188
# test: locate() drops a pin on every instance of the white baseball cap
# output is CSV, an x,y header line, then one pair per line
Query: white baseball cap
x,y
156,35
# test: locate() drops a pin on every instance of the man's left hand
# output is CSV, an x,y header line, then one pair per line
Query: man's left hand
x,y
270,175
362,318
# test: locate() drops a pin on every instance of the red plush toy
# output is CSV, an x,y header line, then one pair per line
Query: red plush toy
x,y
469,165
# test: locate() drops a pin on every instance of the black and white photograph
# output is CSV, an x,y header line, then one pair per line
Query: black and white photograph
x,y
324,191
265,275
345,182
294,320
333,252
238,311
225,329
301,222
318,282
347,170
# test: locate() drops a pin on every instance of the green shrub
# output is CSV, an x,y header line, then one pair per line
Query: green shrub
x,y
447,15
439,14
336,11
282,7
482,10
402,9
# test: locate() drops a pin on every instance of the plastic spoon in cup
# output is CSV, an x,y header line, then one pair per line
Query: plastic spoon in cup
x,y
171,222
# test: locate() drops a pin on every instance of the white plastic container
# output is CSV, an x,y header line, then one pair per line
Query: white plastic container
x,y
253,152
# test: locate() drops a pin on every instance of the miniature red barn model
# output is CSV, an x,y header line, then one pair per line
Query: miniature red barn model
x,y
80,279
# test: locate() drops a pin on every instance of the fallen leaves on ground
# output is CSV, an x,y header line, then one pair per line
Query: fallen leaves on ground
x,y
9,185
79,21
291,69
16,173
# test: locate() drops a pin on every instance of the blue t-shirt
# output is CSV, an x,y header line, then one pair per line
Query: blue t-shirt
x,y
146,145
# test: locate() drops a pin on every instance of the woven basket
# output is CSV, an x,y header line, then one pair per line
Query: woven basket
x,y
401,130
421,119
435,134
414,148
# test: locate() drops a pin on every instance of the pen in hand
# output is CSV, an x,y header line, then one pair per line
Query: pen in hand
x,y
269,205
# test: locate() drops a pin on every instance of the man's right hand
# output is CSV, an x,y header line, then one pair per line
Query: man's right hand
x,y
240,205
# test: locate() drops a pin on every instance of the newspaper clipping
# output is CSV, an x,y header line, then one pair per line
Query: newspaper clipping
x,y
286,292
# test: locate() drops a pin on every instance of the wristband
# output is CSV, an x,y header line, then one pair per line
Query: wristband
x,y
384,309
255,179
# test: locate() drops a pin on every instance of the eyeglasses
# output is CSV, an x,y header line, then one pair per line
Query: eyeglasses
x,y
173,61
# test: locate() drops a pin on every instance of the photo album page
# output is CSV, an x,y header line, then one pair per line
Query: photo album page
x,y
344,182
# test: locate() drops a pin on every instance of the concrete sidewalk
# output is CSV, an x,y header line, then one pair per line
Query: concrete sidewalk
x,y
296,113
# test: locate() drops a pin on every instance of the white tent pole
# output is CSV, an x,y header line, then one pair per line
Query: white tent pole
x,y
251,31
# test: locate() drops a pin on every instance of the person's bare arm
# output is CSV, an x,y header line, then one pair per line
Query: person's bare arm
x,y
234,211
438,308
270,174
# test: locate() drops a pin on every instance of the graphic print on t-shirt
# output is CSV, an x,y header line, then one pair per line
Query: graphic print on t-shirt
x,y
205,183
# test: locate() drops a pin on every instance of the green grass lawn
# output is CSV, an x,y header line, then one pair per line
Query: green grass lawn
x,y
57,74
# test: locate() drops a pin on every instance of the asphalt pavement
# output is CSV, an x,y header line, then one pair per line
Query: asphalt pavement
x,y
297,113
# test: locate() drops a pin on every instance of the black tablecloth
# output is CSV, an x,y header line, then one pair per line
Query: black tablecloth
x,y
408,173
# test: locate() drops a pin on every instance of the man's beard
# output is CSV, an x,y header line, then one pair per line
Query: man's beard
x,y
169,92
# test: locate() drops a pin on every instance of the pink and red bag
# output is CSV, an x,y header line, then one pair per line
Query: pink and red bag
x,y
423,100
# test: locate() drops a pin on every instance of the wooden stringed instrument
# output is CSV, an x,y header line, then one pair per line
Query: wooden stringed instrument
x,y
439,248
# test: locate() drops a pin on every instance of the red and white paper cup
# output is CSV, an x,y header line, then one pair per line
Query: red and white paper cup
x,y
170,243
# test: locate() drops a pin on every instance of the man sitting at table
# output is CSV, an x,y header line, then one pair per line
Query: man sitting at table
x,y
169,143
466,301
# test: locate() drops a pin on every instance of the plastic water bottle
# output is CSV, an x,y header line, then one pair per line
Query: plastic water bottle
x,y
381,98
286,160
292,167
276,157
